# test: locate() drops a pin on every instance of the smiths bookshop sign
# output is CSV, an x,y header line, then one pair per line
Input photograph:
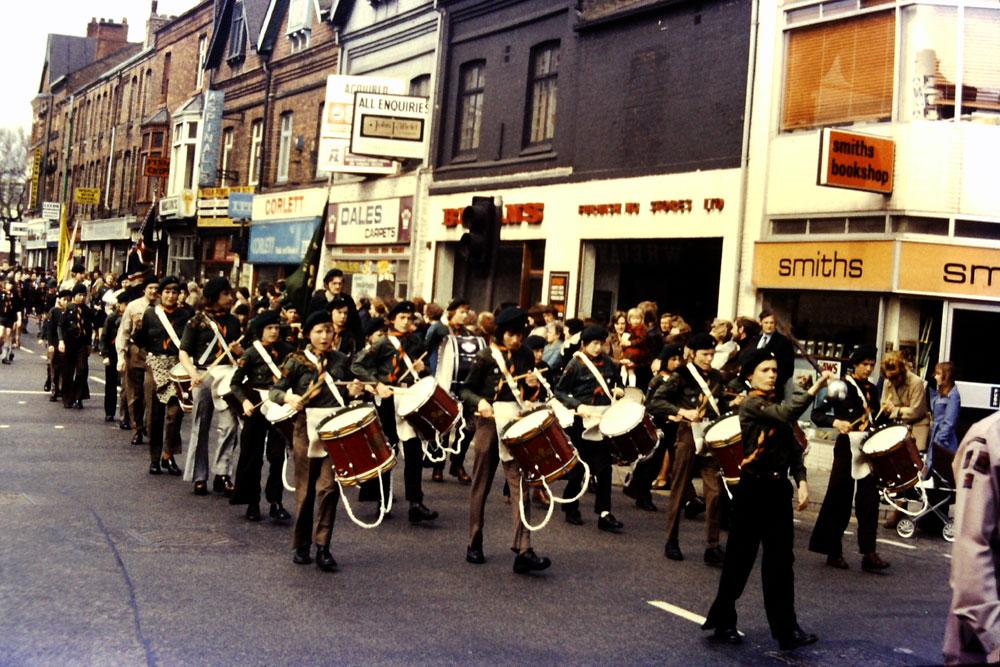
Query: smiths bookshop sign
x,y
856,161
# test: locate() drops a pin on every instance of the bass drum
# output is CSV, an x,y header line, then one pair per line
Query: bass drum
x,y
455,357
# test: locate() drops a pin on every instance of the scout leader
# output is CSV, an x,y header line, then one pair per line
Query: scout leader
x,y
256,372
308,381
496,397
395,361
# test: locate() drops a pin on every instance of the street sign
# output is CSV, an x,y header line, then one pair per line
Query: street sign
x,y
18,229
51,210
389,125
87,195
157,167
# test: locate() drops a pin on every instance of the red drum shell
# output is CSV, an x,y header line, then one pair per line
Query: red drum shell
x,y
437,415
544,452
638,442
359,450
898,467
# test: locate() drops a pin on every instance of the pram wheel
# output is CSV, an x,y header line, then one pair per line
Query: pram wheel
x,y
948,531
905,527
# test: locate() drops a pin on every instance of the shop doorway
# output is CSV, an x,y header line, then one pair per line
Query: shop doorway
x,y
518,278
971,346
680,275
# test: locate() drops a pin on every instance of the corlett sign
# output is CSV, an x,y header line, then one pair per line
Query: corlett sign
x,y
291,204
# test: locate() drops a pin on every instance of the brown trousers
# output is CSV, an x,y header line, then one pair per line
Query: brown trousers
x,y
681,473
315,484
135,381
484,468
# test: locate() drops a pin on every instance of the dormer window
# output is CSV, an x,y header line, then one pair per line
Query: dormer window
x,y
238,34
300,21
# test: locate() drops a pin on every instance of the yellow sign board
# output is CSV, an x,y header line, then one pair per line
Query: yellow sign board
x,y
833,265
87,195
939,268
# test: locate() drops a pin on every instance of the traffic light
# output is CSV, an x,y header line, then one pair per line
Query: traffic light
x,y
479,245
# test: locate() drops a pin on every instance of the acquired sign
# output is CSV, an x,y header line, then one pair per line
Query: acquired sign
x,y
856,161
335,128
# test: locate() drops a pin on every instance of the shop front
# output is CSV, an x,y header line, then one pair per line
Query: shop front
x,y
175,235
283,224
595,247
933,301
222,238
369,229
34,244
106,243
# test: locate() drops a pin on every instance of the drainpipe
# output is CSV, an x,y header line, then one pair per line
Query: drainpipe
x,y
745,156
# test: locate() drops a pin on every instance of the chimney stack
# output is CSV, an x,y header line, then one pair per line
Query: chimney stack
x,y
110,36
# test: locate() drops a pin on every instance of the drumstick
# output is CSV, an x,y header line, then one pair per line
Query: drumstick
x,y
410,370
222,354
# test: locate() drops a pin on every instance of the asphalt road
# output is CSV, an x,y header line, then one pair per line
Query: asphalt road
x,y
102,564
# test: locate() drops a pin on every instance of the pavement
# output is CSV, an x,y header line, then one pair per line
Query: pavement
x,y
102,564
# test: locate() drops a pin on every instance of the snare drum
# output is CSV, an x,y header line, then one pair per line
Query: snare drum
x,y
455,358
428,408
282,417
629,431
182,383
893,456
357,446
540,446
725,441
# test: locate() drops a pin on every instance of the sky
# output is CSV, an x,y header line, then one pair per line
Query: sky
x,y
24,32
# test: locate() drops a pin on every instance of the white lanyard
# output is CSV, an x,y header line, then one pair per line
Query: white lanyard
x,y
502,365
266,356
160,313
221,341
704,387
406,359
326,376
585,360
864,400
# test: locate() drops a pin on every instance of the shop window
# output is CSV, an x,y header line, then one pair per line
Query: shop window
x,y
915,225
980,73
472,83
929,62
151,146
542,87
827,226
285,146
976,229
840,72
866,225
779,227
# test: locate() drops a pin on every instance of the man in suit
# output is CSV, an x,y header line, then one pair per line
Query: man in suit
x,y
772,340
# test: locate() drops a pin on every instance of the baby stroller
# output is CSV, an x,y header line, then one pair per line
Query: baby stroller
x,y
935,494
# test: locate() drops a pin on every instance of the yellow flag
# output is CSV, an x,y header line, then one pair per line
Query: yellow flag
x,y
65,253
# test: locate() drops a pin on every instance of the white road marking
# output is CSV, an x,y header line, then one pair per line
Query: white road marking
x,y
894,543
31,392
678,611
4,425
96,379
22,402
24,349
59,426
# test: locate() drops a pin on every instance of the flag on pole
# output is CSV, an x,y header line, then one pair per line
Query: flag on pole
x,y
300,285
65,254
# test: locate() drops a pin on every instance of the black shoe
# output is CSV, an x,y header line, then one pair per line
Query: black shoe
x,y
223,484
530,562
474,555
302,556
78,405
137,438
279,514
798,638
673,551
694,508
47,386
420,512
170,466
727,636
873,563
573,517
610,524
253,512
109,418
324,559
201,488
125,425
837,562
154,468
646,505
53,398
715,556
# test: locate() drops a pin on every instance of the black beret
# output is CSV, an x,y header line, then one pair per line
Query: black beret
x,y
265,319
402,307
511,319
215,287
242,309
133,293
331,274
534,342
78,268
340,301
670,351
373,325
753,359
862,353
170,280
289,304
702,341
79,288
64,293
122,296
315,318
456,304
147,280
592,333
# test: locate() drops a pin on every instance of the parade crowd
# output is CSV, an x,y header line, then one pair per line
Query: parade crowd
x,y
278,378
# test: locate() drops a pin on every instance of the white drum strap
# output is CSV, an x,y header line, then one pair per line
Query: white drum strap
x,y
167,326
585,360
326,376
704,388
394,340
502,365
864,401
221,341
266,356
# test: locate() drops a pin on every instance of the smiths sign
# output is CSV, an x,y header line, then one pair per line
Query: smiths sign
x,y
856,161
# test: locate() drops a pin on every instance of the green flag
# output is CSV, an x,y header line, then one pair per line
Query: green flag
x,y
300,285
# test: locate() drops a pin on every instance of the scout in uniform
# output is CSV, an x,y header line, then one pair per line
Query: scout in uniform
x,y
76,330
